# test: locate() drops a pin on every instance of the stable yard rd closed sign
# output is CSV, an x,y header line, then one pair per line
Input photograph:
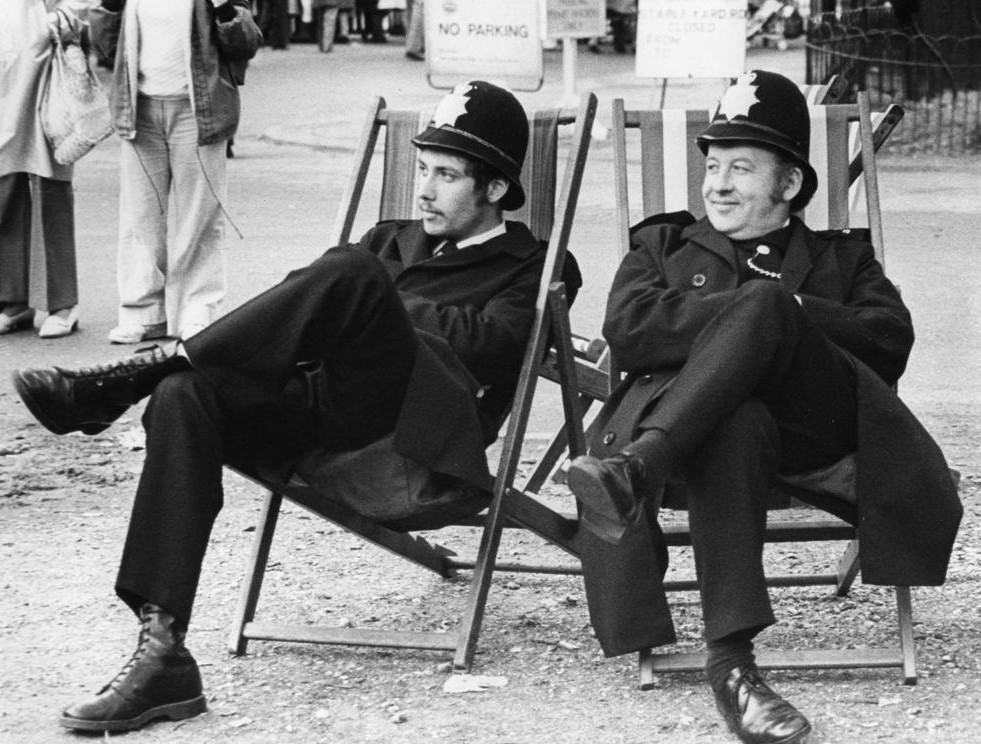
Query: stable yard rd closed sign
x,y
691,38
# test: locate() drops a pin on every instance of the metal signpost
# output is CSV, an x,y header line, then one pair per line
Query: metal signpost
x,y
570,20
691,38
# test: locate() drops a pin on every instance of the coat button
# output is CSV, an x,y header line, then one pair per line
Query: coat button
x,y
644,379
609,438
698,280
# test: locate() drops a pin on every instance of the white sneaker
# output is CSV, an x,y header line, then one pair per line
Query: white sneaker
x,y
55,326
135,334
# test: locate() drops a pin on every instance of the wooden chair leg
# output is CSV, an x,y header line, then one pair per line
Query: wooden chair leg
x,y
644,658
483,572
249,596
907,646
848,567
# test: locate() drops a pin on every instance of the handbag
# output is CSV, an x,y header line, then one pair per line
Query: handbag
x,y
74,108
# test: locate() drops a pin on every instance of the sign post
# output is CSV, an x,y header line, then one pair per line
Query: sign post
x,y
691,38
494,41
570,20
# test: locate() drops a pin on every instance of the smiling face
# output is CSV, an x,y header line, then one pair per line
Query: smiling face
x,y
452,206
747,190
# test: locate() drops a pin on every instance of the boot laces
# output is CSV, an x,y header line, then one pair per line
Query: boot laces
x,y
141,647
127,367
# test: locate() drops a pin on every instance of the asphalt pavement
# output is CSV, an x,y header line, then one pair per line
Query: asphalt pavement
x,y
303,113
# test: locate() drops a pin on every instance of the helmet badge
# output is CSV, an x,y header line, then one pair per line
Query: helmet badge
x,y
739,98
452,106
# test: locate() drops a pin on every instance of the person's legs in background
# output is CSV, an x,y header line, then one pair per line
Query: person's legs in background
x,y
55,203
415,39
15,241
372,32
195,281
274,22
144,193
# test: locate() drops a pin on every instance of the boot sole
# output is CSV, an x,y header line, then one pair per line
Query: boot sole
x,y
798,737
24,391
173,711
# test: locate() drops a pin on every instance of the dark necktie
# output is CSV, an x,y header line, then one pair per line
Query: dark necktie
x,y
444,248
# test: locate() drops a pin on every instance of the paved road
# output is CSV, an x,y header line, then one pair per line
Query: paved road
x,y
302,115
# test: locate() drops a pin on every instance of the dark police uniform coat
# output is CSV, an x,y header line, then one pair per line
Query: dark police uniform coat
x,y
377,341
678,274
472,311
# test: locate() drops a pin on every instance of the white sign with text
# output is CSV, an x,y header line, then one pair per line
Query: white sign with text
x,y
574,19
691,38
496,41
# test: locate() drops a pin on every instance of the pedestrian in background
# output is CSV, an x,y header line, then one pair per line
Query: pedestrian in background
x,y
37,207
274,20
175,103
415,37
373,26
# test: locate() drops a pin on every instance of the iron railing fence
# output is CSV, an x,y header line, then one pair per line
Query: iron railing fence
x,y
937,79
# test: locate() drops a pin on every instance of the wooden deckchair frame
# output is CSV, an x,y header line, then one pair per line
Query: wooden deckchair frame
x,y
508,507
836,181
596,375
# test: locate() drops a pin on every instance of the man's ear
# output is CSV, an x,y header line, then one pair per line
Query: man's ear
x,y
496,189
793,182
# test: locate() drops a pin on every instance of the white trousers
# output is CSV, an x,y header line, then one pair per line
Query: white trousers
x,y
171,263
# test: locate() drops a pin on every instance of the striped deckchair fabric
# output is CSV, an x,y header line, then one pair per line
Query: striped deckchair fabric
x,y
398,192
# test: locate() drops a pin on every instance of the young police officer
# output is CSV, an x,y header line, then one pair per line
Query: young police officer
x,y
416,332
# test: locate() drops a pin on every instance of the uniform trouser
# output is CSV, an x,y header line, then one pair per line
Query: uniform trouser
x,y
34,208
763,392
342,313
171,225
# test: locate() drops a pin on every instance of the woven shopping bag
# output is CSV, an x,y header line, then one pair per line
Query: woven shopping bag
x,y
74,107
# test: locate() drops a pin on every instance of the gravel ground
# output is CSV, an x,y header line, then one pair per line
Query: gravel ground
x,y
64,503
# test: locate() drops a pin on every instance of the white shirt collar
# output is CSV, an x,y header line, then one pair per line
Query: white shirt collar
x,y
483,237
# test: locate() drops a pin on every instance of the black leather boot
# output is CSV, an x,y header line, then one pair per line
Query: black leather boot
x,y
611,492
755,713
90,399
161,680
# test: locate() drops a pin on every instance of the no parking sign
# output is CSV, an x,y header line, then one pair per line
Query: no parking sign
x,y
494,41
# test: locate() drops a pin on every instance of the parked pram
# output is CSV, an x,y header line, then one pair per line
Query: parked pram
x,y
773,21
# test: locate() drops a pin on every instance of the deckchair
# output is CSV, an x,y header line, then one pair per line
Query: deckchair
x,y
549,215
671,170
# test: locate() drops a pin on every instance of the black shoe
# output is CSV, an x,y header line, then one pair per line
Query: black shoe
x,y
90,399
755,713
611,492
161,680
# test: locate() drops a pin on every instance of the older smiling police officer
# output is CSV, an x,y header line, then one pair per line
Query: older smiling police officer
x,y
756,349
